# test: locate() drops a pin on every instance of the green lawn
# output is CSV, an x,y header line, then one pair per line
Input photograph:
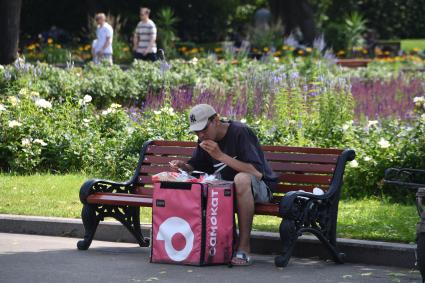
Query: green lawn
x,y
57,195
409,44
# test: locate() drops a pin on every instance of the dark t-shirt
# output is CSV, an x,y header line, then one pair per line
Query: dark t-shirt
x,y
239,141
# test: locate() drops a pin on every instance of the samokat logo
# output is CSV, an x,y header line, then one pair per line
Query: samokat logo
x,y
192,119
168,229
213,222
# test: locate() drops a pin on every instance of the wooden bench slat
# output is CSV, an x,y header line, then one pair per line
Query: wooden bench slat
x,y
272,148
302,167
154,159
154,169
174,143
170,150
267,209
115,199
308,158
307,179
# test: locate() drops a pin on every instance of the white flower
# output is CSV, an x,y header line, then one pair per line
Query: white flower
x,y
169,110
345,127
23,92
130,130
87,98
34,94
26,142
367,158
383,143
419,99
14,123
354,164
194,61
40,142
85,120
243,121
42,103
372,123
13,100
2,107
106,112
115,106
156,112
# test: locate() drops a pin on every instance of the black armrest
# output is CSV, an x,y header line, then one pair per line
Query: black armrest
x,y
96,185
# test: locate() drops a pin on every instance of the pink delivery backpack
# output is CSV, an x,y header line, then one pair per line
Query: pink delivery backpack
x,y
192,223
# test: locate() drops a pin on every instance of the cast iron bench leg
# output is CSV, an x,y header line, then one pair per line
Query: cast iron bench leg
x,y
90,222
288,236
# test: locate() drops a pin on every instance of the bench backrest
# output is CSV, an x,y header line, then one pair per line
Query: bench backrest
x,y
298,168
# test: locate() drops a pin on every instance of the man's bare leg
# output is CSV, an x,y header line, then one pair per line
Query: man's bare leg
x,y
245,203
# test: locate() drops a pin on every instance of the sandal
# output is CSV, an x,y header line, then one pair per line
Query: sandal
x,y
241,258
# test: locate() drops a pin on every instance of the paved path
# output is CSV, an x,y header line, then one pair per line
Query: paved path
x,y
30,258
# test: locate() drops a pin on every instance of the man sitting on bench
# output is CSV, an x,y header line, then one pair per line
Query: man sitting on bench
x,y
233,144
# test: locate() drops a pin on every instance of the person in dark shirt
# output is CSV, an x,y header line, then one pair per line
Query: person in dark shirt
x,y
235,145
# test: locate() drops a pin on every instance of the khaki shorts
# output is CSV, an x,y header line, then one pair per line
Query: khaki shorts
x,y
260,191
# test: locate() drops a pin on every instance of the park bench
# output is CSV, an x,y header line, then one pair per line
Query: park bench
x,y
299,168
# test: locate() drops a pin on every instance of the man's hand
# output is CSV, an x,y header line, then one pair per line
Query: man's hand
x,y
99,53
177,164
213,149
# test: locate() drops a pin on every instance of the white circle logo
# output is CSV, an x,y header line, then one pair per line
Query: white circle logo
x,y
168,229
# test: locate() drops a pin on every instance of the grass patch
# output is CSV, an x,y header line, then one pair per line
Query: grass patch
x,y
57,195
409,44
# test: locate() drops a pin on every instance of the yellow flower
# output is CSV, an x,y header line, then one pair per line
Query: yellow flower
x,y
194,50
87,47
58,46
340,53
266,49
364,51
277,53
218,49
300,52
387,53
285,47
415,49
126,49
183,49
291,48
49,41
309,49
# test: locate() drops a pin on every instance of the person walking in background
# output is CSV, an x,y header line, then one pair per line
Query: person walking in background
x,y
144,39
102,45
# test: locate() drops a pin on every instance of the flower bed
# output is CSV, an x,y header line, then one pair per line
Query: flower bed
x,y
95,119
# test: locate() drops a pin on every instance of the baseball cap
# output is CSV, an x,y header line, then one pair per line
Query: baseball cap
x,y
198,116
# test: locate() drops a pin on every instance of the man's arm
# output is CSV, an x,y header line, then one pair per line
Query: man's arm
x,y
214,150
107,43
135,41
179,164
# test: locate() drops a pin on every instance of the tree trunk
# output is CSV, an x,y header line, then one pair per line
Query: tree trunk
x,y
10,16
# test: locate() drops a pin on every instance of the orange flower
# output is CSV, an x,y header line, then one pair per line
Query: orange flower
x,y
49,41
